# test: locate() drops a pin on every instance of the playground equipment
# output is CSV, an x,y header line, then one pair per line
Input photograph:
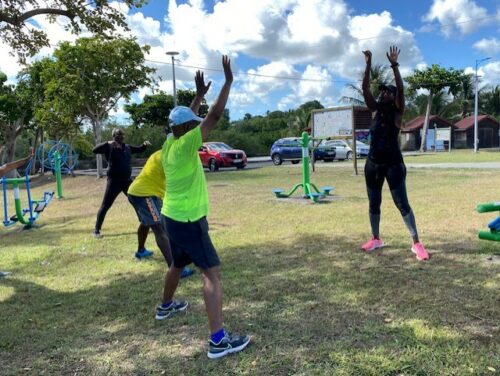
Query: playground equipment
x,y
309,189
45,155
494,225
35,207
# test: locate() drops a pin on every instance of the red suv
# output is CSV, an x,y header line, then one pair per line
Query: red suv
x,y
217,154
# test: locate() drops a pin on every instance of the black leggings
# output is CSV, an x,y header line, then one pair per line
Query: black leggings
x,y
113,189
375,175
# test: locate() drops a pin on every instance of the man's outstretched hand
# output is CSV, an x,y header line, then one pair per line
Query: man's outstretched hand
x,y
226,64
201,88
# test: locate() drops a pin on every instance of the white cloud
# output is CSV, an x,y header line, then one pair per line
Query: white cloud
x,y
146,29
376,32
291,36
315,39
488,46
8,63
310,90
463,16
315,85
487,73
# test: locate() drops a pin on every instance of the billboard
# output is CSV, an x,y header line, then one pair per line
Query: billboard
x,y
333,123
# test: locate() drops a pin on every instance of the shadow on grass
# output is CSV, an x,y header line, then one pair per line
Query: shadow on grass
x,y
310,304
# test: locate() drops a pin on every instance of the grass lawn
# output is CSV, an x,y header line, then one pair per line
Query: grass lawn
x,y
456,156
293,275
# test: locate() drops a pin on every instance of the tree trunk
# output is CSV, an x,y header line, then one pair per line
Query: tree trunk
x,y
38,132
426,123
98,139
12,131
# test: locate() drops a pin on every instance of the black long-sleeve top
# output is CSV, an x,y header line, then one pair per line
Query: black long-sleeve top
x,y
119,159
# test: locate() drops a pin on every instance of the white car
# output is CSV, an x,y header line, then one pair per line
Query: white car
x,y
362,149
342,148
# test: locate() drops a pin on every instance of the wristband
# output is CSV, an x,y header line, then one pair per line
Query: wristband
x,y
394,65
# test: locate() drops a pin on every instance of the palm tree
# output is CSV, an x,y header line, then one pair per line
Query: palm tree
x,y
489,100
298,122
379,74
463,102
441,105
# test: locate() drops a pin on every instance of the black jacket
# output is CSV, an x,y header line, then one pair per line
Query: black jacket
x,y
119,159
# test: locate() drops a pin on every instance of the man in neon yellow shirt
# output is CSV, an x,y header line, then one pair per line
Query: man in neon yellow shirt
x,y
147,190
185,208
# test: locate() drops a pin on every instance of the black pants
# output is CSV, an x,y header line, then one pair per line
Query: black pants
x,y
113,189
376,174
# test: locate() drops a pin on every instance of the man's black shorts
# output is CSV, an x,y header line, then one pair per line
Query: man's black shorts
x,y
190,243
147,209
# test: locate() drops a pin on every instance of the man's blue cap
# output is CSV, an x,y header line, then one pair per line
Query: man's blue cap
x,y
182,114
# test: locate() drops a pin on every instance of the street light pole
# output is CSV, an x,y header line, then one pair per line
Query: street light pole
x,y
476,140
172,54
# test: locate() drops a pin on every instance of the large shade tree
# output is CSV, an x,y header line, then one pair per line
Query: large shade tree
x,y
15,114
155,108
434,79
99,17
92,75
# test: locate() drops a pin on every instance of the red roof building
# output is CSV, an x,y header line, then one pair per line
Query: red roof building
x,y
488,132
411,138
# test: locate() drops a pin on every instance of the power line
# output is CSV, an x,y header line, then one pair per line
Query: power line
x,y
275,77
246,73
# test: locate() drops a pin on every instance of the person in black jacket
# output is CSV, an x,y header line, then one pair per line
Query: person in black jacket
x,y
385,160
119,158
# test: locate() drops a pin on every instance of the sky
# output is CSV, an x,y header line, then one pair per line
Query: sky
x,y
288,52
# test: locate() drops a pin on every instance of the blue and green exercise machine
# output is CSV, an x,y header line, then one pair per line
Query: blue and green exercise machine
x,y
494,226
309,189
27,216
68,158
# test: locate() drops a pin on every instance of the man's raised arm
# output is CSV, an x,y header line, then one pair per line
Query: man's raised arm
x,y
201,90
217,109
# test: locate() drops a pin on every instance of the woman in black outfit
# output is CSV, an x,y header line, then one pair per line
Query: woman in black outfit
x,y
119,158
385,161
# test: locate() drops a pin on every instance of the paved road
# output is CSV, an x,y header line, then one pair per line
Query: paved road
x,y
259,162
266,161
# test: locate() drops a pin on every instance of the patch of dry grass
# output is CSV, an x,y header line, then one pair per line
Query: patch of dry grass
x,y
293,276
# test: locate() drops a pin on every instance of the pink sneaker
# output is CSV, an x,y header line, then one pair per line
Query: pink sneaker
x,y
372,244
419,250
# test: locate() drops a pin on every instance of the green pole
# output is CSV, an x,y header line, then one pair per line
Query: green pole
x,y
18,207
306,179
57,158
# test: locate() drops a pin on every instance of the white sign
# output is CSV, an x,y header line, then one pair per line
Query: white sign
x,y
443,134
332,123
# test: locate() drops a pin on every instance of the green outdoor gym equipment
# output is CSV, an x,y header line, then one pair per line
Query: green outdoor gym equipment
x,y
28,216
309,189
494,226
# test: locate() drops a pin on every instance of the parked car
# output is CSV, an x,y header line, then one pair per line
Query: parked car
x,y
290,149
362,149
342,148
218,154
